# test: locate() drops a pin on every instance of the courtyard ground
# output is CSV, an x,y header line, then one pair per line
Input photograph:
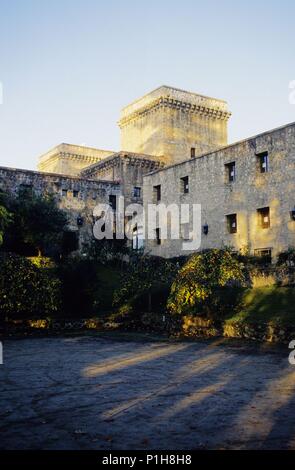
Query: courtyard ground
x,y
135,392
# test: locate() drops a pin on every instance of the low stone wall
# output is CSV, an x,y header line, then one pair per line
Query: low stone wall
x,y
52,325
188,326
265,332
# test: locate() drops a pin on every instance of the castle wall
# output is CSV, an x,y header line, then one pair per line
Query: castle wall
x,y
169,122
251,190
127,169
76,196
67,159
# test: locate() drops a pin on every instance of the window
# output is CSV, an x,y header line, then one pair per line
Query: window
x,y
157,193
136,191
193,152
75,193
184,185
137,238
64,192
158,236
262,162
230,169
264,253
263,217
113,202
232,223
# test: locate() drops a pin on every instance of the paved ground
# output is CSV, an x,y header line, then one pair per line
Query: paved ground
x,y
101,392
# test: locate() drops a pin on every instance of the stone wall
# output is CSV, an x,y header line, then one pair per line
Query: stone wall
x,y
76,196
168,122
251,190
126,168
68,159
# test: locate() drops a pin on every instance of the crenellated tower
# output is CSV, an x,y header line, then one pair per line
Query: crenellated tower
x,y
174,123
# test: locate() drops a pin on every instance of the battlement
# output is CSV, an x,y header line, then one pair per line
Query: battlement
x,y
70,159
174,123
169,96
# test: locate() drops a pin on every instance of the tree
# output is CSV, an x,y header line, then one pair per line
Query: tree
x,y
25,289
145,276
207,284
37,223
5,220
5,217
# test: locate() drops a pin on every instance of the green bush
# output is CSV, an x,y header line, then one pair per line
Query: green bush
x,y
208,284
36,224
287,258
145,282
87,286
26,290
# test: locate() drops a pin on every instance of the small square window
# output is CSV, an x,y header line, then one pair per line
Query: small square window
x,y
158,236
64,192
137,191
264,217
193,152
184,185
264,253
262,159
232,223
157,193
113,201
75,193
137,238
230,169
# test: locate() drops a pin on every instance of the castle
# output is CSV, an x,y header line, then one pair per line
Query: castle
x,y
175,150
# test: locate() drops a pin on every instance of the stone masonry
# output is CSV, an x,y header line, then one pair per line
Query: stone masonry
x,y
230,182
70,159
76,196
177,141
169,122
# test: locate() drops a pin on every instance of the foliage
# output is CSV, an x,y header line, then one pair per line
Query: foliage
x,y
38,224
78,278
144,276
107,251
5,217
25,289
260,305
205,281
87,286
287,258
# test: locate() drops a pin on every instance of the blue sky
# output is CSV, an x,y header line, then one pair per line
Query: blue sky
x,y
68,66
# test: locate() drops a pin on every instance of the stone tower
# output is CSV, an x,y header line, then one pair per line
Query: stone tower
x,y
174,123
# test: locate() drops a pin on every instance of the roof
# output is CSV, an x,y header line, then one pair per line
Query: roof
x,y
121,155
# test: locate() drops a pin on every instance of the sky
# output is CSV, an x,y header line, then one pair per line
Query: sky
x,y
67,67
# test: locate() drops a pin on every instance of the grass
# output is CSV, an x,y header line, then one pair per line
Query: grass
x,y
267,305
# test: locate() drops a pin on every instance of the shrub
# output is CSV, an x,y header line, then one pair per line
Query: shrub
x,y
25,289
208,284
144,280
36,225
79,291
287,258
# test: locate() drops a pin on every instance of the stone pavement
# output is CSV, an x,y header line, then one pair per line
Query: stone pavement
x,y
121,392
